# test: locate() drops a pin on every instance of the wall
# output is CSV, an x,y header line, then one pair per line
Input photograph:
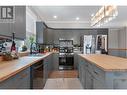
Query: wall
x,y
53,35
31,19
113,38
118,42
18,26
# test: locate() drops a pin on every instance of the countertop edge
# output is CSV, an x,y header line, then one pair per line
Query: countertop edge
x,y
23,68
106,70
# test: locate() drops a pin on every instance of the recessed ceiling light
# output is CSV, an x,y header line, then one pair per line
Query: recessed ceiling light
x,y
77,18
92,15
55,16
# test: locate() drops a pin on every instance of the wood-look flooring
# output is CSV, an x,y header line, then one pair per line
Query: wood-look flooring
x,y
64,74
66,79
63,83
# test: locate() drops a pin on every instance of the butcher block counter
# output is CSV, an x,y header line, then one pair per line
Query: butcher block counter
x,y
107,62
10,68
98,71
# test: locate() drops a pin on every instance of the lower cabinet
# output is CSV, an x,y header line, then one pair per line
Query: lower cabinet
x,y
45,73
47,67
93,77
19,81
55,61
82,73
97,84
89,81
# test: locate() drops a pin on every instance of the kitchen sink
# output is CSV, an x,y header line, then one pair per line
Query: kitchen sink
x,y
36,55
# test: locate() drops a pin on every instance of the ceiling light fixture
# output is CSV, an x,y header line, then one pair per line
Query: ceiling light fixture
x,y
92,15
77,18
104,15
55,16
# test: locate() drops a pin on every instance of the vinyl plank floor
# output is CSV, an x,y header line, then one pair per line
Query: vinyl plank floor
x,y
64,74
63,83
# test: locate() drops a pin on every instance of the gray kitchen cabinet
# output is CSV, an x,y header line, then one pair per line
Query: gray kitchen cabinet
x,y
93,77
120,83
19,81
45,73
82,72
20,22
76,59
45,62
55,61
40,27
97,84
89,80
18,26
48,66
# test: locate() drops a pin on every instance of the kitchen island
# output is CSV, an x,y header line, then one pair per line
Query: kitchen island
x,y
16,73
98,71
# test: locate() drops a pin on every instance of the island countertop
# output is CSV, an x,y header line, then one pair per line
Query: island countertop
x,y
106,62
10,68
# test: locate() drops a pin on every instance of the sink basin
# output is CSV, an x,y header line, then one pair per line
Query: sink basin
x,y
36,55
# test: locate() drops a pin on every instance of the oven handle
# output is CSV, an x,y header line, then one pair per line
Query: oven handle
x,y
36,67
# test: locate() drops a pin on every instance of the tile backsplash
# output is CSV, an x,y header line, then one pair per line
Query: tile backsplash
x,y
5,45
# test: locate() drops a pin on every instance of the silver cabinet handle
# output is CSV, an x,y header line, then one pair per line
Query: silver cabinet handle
x,y
95,72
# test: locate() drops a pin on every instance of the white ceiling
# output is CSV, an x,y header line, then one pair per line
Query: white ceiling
x,y
67,16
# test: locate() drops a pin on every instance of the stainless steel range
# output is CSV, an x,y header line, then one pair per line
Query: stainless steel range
x,y
66,55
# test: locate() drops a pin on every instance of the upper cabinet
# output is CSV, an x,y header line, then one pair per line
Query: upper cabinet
x,y
40,28
16,22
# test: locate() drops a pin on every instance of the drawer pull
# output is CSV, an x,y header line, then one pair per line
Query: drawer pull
x,y
95,72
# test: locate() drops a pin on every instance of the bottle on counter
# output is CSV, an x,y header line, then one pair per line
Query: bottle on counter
x,y
13,47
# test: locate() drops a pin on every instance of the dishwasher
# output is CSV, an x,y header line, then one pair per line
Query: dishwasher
x,y
37,75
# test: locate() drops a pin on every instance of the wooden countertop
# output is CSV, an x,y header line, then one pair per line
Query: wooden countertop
x,y
117,49
107,62
10,68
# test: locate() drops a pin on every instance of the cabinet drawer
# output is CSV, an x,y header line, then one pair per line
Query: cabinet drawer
x,y
89,67
98,73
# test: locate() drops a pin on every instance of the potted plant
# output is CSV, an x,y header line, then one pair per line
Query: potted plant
x,y
24,48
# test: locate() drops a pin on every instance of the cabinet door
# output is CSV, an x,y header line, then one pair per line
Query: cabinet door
x,y
39,32
19,81
97,84
75,60
83,74
45,73
20,22
80,72
24,79
80,69
55,61
120,83
89,81
49,63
